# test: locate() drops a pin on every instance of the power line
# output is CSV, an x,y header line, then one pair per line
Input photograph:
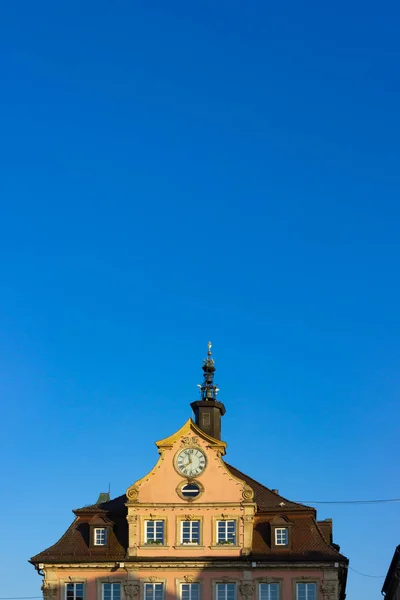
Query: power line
x,y
346,502
363,574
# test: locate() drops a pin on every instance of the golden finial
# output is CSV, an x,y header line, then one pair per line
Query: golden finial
x,y
209,348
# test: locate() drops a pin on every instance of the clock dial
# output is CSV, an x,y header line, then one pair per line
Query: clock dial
x,y
191,462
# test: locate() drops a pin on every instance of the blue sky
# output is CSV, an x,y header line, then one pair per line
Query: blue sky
x,y
184,171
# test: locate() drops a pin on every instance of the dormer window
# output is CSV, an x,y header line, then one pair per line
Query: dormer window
x,y
281,536
100,530
281,532
100,536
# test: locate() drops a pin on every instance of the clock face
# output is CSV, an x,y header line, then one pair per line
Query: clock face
x,y
191,462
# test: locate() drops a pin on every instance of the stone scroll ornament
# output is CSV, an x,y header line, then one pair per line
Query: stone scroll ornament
x,y
247,590
131,590
329,590
49,590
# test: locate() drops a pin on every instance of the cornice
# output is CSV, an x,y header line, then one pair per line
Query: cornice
x,y
215,563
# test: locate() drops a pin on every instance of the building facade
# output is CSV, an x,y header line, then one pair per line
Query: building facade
x,y
391,586
195,528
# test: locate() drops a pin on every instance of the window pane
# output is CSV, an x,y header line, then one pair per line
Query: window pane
x,y
158,591
306,591
269,591
226,591
116,591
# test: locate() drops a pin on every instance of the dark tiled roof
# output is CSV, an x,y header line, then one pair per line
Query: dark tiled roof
x,y
307,540
265,498
74,544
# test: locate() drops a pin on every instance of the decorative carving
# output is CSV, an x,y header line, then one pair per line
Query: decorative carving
x,y
189,517
248,493
189,578
132,493
49,590
329,590
131,590
247,589
132,519
248,518
189,441
227,579
153,579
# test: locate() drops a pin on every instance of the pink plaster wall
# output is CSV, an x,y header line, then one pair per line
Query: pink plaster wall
x,y
172,577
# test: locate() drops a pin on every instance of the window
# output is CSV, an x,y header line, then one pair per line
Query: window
x,y
206,418
190,532
190,591
153,591
111,591
154,532
190,490
306,591
281,536
226,591
269,591
74,591
100,536
226,532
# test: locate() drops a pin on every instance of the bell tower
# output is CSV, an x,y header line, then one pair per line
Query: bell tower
x,y
208,411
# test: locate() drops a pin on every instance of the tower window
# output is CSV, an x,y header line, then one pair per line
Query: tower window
x,y
190,532
226,532
100,536
154,532
206,419
281,536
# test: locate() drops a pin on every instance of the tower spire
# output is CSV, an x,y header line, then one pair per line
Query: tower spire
x,y
208,390
208,410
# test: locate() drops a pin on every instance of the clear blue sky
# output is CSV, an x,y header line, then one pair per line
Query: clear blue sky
x,y
173,172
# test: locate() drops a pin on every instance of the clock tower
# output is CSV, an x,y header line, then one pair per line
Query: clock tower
x,y
208,410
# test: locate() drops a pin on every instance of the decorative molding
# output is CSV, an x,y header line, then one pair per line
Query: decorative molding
x,y
189,578
189,517
153,579
329,590
190,441
132,519
132,493
131,590
247,589
248,493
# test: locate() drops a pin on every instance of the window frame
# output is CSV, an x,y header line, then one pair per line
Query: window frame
x,y
305,582
154,542
153,584
75,583
260,583
226,541
226,583
112,583
278,529
190,583
190,521
105,529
